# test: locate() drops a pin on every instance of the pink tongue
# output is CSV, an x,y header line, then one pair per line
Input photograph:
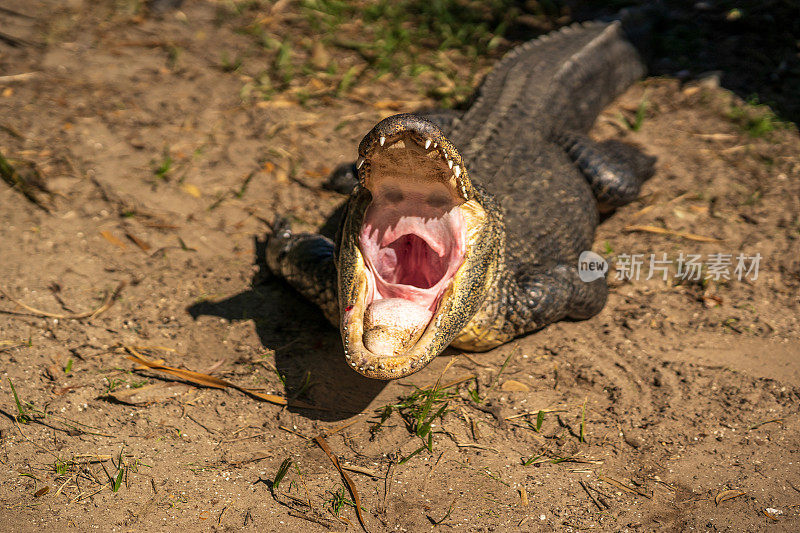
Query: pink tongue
x,y
391,324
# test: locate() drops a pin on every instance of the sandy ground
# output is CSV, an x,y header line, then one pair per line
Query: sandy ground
x,y
675,408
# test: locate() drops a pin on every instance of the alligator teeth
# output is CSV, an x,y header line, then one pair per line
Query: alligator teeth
x,y
435,145
347,356
457,171
450,163
360,162
381,366
382,140
370,368
428,143
353,364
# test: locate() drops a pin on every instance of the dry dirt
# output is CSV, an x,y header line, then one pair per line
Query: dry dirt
x,y
674,395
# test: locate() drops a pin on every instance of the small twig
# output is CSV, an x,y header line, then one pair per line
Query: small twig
x,y
342,427
237,439
665,231
452,383
311,518
19,77
478,446
438,460
190,417
219,518
591,497
351,487
361,470
107,303
502,369
387,482
474,362
293,432
622,486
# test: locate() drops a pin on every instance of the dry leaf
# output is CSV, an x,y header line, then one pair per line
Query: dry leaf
x,y
320,440
210,381
191,190
320,58
726,495
276,103
511,385
107,235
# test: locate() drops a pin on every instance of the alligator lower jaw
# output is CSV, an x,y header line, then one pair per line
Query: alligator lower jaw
x,y
392,366
382,324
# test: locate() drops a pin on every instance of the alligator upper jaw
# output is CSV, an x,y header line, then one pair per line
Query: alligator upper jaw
x,y
412,242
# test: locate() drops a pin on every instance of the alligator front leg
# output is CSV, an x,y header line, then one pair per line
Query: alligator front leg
x,y
306,262
615,170
528,300
543,295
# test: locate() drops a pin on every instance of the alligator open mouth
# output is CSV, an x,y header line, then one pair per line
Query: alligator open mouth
x,y
413,240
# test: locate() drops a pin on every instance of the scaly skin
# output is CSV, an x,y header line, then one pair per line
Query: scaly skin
x,y
528,181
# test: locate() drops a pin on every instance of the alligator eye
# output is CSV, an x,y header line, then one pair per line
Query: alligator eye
x,y
438,200
393,196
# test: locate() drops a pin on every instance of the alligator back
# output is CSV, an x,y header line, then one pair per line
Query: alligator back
x,y
556,83
561,80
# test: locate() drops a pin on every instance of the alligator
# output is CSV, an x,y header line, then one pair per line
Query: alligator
x,y
466,230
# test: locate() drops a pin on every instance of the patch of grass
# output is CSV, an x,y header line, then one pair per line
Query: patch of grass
x,y
536,459
61,467
123,470
282,66
444,39
347,80
419,415
162,169
539,421
228,63
473,393
22,414
756,119
641,112
338,500
113,384
419,411
636,123
280,474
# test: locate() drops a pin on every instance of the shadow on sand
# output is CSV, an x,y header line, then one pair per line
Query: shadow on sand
x,y
303,341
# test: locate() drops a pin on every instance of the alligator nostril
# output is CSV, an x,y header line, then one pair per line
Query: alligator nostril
x,y
438,201
394,196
